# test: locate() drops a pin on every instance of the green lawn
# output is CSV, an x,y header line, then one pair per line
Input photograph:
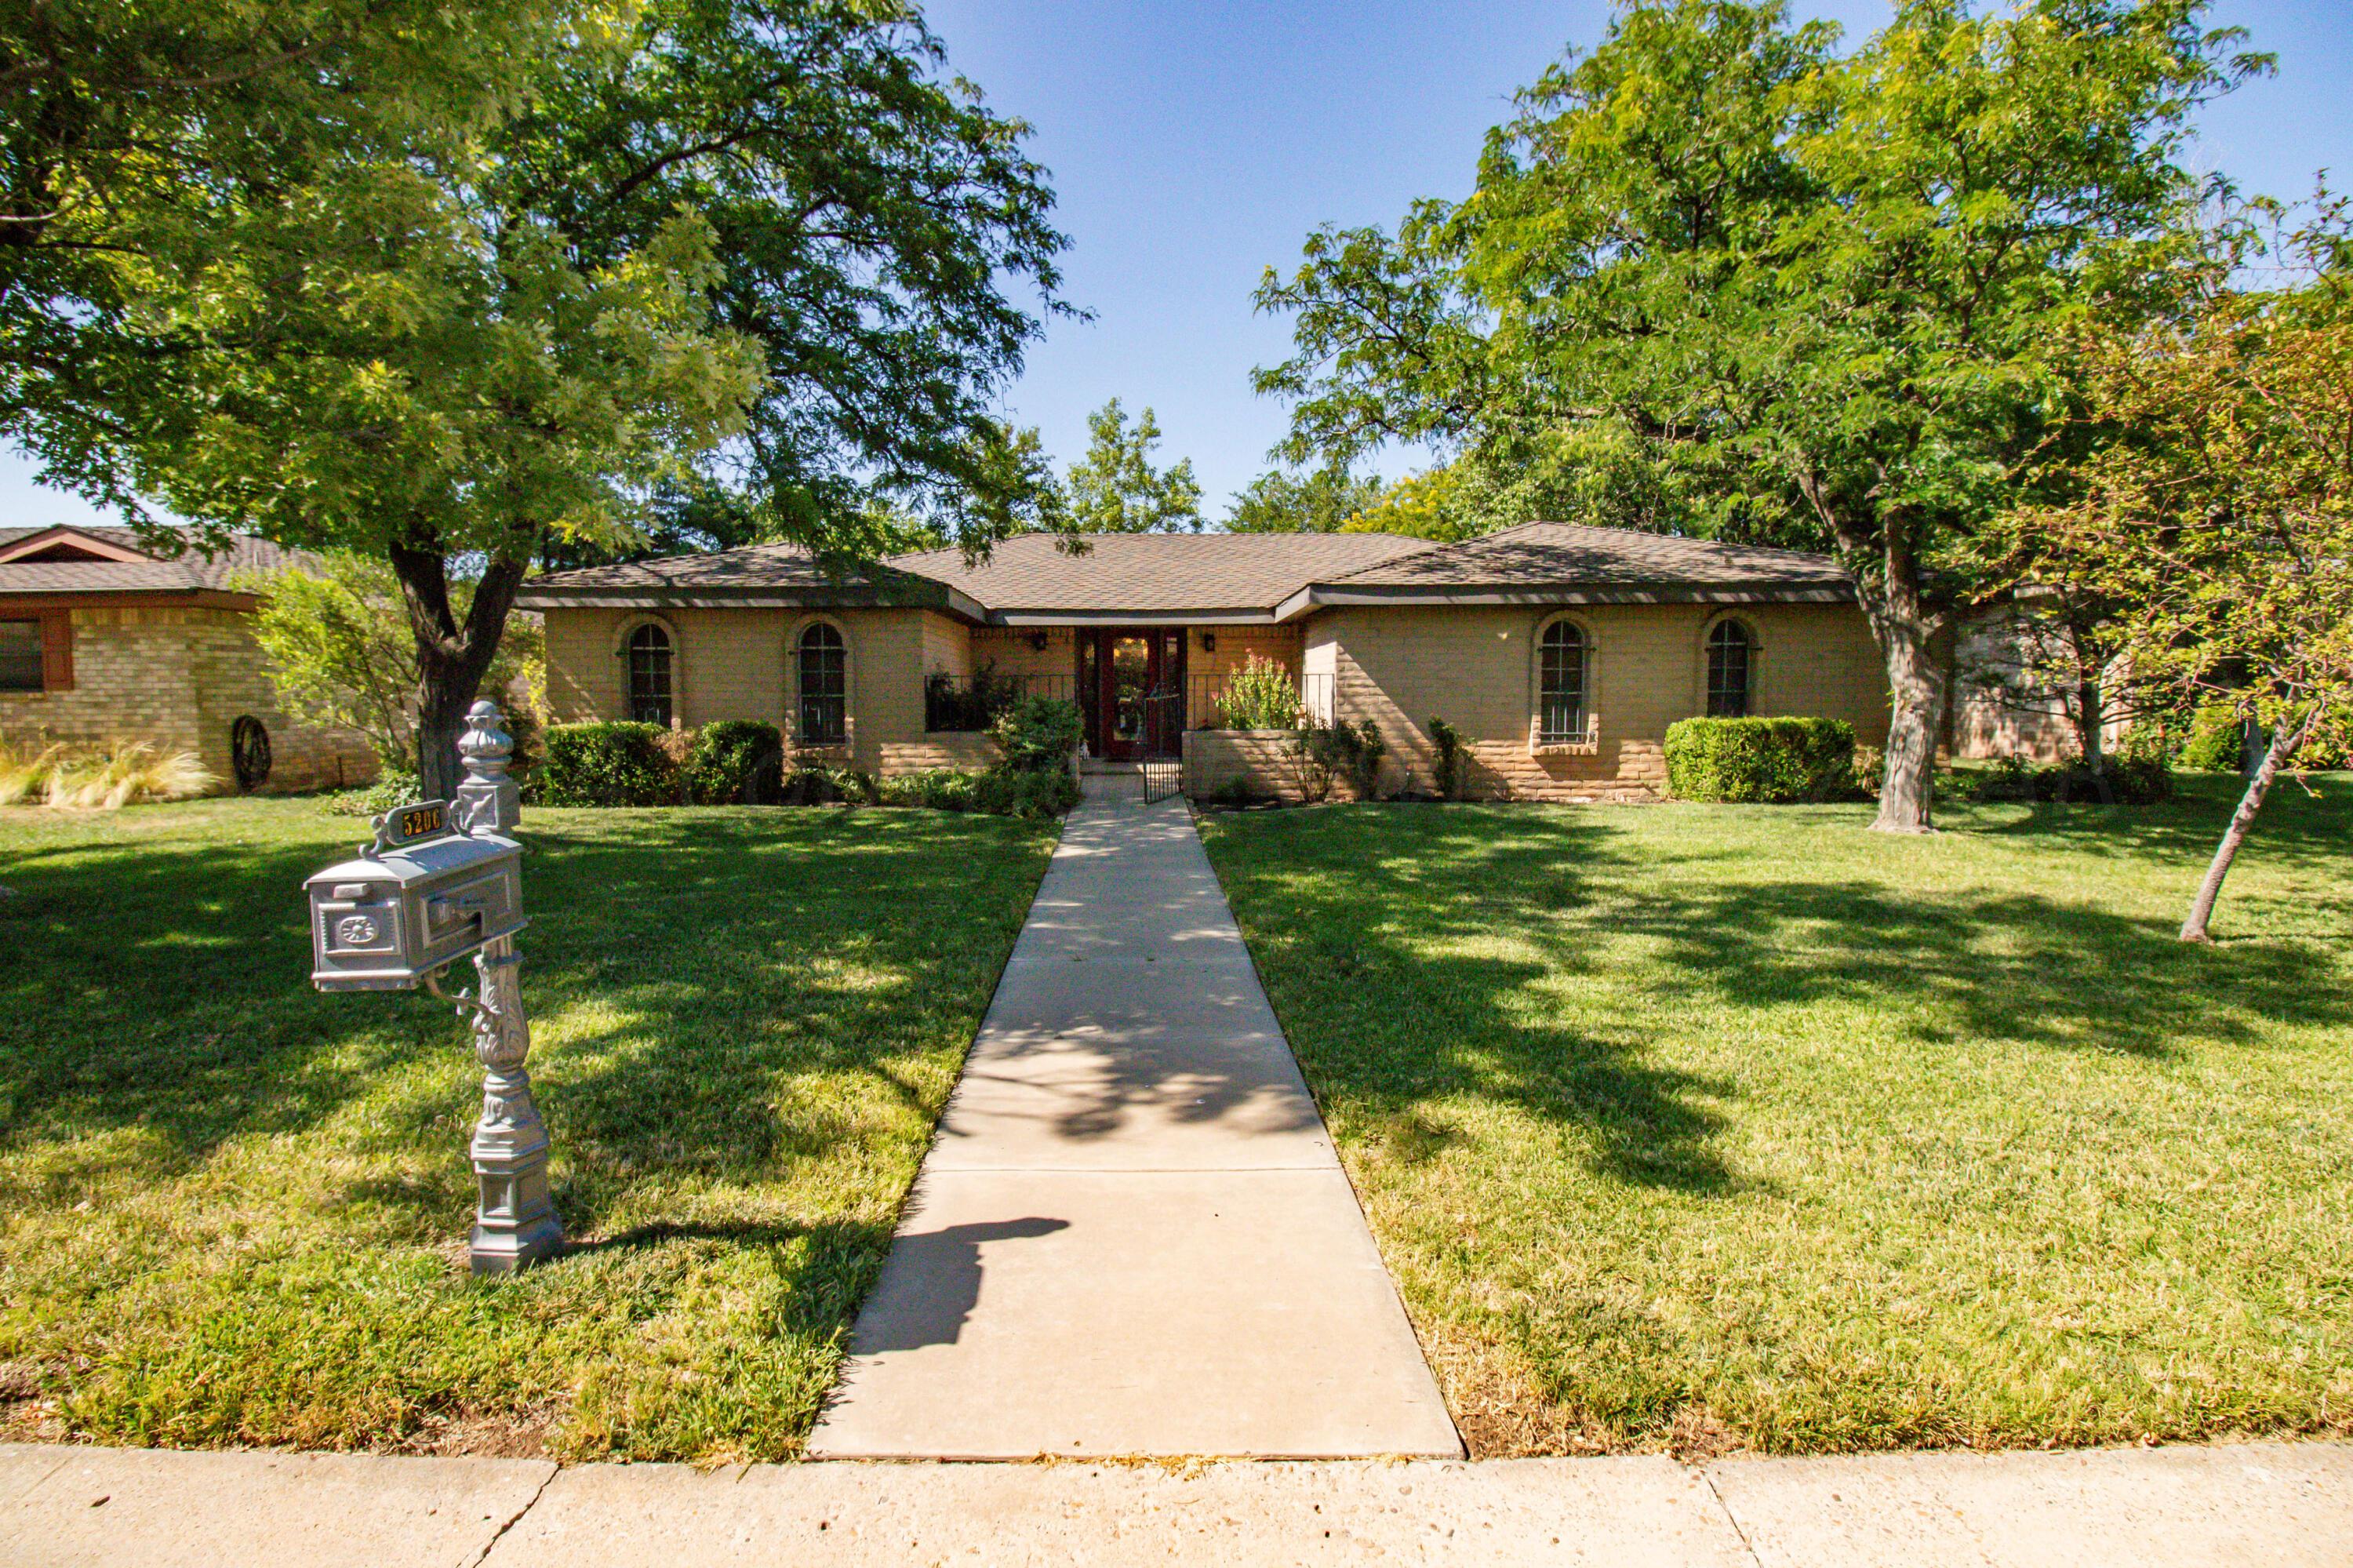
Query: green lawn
x,y
1703,1126
233,1211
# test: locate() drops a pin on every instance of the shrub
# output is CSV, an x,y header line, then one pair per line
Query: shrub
x,y
1451,758
1003,792
830,786
1261,694
2132,781
2217,736
734,762
104,779
1340,750
392,788
971,705
1038,735
614,764
1776,759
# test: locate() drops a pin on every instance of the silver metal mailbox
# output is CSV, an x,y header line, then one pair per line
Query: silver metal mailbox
x,y
425,895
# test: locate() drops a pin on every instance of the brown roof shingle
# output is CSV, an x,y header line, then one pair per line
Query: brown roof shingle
x,y
752,571
186,572
1155,574
1572,560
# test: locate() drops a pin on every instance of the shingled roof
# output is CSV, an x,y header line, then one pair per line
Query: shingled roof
x,y
1189,576
74,559
1034,580
1574,563
751,576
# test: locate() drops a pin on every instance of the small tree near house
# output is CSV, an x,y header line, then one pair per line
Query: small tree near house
x,y
2226,524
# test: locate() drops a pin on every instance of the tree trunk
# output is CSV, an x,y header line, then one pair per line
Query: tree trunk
x,y
2091,718
1907,788
451,659
2286,737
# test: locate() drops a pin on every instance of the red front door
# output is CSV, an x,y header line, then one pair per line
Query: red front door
x,y
1132,687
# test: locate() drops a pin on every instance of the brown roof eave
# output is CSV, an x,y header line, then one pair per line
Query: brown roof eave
x,y
146,599
1318,595
704,597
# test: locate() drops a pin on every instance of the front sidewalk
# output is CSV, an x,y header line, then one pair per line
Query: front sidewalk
x,y
2277,1504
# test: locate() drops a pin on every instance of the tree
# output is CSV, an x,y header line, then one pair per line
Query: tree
x,y
2225,522
1114,489
342,654
1788,295
755,246
1319,501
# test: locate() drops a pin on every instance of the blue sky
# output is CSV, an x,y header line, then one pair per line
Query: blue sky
x,y
1193,142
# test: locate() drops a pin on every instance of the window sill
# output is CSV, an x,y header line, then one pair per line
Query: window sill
x,y
1565,749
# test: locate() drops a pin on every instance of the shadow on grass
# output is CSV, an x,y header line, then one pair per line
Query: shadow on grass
x,y
719,977
1420,956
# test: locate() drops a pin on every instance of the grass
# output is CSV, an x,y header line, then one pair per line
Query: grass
x,y
234,1212
1701,1127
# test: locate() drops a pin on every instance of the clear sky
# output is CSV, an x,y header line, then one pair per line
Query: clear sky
x,y
1194,143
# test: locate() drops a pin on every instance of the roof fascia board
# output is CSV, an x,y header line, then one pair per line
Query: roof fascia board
x,y
146,599
1132,617
66,534
1320,594
587,598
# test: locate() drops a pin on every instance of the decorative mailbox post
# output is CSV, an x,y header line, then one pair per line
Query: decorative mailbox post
x,y
443,882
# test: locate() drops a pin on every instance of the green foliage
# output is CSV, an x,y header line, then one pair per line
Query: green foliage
x,y
1340,751
1320,502
1453,760
733,762
968,706
1000,792
610,764
1114,489
1261,694
2217,741
830,787
1767,760
342,651
1038,735
2124,781
392,788
1719,276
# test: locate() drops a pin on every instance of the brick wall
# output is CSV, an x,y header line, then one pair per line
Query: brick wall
x,y
178,678
741,664
1475,667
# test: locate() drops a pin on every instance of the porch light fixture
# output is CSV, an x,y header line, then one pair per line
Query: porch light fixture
x,y
1208,642
1038,640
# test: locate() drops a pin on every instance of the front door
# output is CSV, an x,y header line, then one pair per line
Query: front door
x,y
1132,687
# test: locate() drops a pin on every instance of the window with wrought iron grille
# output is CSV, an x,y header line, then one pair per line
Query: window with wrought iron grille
x,y
1731,665
649,682
1562,667
825,687
20,656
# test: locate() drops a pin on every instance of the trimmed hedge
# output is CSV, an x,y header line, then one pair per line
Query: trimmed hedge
x,y
1001,793
612,764
1775,759
2215,738
2124,781
734,762
1038,735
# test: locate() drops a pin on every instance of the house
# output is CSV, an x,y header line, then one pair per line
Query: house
x,y
1561,652
104,638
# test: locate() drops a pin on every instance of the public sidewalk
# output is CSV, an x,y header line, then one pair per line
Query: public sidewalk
x,y
1132,1235
2277,1505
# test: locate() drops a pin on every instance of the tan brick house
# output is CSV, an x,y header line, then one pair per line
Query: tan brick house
x,y
1561,652
104,639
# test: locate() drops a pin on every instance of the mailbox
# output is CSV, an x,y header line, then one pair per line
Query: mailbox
x,y
425,895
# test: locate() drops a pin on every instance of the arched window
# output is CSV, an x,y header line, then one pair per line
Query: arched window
x,y
649,682
825,687
1561,666
1731,667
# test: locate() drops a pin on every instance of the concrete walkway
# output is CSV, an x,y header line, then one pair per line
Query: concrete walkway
x,y
2280,1505
1131,1237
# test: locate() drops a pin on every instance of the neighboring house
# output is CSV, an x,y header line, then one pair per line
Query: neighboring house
x,y
1561,652
104,638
